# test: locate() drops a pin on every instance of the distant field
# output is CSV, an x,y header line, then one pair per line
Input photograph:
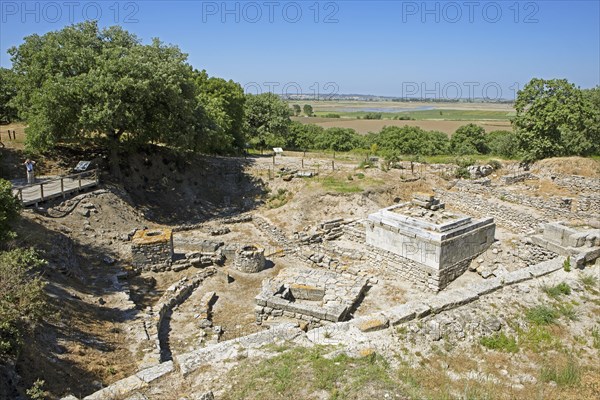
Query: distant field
x,y
443,117
394,106
452,115
364,126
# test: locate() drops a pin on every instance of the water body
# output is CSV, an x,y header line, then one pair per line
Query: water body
x,y
382,109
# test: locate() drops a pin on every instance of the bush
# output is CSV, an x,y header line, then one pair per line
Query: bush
x,y
495,164
372,115
22,302
502,143
331,115
469,139
9,210
462,172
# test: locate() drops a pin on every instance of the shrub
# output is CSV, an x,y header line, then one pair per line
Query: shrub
x,y
462,172
36,391
9,210
372,115
495,164
502,143
589,282
541,315
22,301
331,115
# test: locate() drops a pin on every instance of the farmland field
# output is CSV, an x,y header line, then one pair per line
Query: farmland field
x,y
443,117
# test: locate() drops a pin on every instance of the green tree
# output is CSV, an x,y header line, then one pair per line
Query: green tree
x,y
85,82
22,300
8,91
502,143
551,117
303,136
411,140
223,102
9,210
308,110
468,139
297,109
267,120
338,139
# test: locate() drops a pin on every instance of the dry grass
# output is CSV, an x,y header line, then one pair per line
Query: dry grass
x,y
546,188
587,167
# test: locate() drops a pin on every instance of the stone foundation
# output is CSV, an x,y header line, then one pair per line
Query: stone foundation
x,y
152,249
309,294
250,259
581,244
426,246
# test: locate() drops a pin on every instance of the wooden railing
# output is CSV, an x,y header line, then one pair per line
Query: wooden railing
x,y
54,192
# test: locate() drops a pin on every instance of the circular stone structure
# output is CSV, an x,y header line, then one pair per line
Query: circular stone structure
x,y
250,259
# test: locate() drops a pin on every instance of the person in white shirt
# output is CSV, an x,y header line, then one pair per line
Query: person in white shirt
x,y
29,165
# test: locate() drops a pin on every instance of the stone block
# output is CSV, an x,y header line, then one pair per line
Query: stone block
x,y
400,314
371,323
307,292
516,276
546,267
452,299
150,374
118,389
487,286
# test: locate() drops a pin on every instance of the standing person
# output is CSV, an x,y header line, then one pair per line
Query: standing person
x,y
29,166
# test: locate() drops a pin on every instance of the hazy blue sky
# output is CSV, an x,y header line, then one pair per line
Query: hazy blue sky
x,y
423,49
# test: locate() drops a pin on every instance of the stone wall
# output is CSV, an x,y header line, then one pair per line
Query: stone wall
x,y
504,215
553,207
416,273
152,250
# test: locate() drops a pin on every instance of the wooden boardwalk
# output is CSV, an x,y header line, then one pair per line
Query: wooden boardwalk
x,y
58,187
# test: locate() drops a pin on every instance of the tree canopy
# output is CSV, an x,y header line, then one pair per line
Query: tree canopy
x,y
469,139
555,118
83,81
267,120
8,91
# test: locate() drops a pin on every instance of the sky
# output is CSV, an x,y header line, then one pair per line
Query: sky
x,y
434,49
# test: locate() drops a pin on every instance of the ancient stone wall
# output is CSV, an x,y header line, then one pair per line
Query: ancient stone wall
x,y
416,273
152,250
505,215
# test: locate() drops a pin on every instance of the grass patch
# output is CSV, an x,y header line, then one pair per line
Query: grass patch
x,y
541,315
589,282
302,373
595,337
538,339
279,199
339,185
568,311
501,342
563,373
556,291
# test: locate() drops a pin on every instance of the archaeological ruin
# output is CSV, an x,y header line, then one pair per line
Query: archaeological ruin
x,y
152,249
425,243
